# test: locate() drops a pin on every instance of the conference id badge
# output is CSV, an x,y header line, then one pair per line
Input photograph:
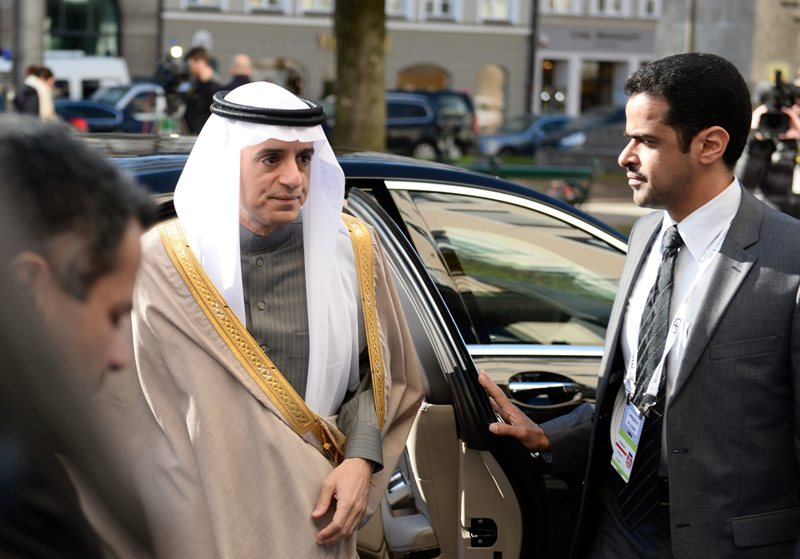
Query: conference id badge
x,y
626,441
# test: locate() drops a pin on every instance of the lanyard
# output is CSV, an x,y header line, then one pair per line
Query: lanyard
x,y
672,334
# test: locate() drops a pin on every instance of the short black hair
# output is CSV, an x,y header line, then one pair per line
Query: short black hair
x,y
56,186
702,90
199,53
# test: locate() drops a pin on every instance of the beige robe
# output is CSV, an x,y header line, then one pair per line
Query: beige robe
x,y
221,472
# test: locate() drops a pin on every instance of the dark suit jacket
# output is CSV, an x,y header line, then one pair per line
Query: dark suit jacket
x,y
733,421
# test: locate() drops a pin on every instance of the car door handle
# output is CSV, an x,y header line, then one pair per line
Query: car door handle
x,y
544,393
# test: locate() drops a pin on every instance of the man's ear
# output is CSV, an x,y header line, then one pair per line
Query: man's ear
x,y
713,142
33,274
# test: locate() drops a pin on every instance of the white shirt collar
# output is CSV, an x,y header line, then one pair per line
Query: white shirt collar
x,y
699,229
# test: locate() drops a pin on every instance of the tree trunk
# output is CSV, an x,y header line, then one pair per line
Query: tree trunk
x,y
360,28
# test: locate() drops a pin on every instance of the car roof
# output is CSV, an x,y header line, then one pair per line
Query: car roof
x,y
157,162
403,96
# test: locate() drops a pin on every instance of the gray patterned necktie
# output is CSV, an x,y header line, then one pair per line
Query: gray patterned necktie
x,y
640,495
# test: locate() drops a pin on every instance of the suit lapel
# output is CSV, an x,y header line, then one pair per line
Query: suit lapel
x,y
734,261
638,248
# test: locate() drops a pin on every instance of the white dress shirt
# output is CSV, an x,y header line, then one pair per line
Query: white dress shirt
x,y
699,231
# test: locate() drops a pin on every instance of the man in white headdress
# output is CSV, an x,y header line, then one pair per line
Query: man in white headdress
x,y
277,382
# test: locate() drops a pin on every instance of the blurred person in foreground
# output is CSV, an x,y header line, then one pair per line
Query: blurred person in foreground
x,y
769,165
693,443
201,91
241,71
275,368
73,251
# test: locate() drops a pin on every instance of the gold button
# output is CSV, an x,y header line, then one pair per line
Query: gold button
x,y
261,306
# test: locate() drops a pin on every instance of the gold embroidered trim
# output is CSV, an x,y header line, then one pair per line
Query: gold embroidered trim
x,y
365,265
257,364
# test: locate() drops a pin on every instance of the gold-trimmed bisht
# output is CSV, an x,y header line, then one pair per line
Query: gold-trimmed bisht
x,y
255,361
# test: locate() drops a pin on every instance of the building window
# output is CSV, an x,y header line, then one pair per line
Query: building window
x,y
441,9
316,6
266,6
398,8
650,9
560,7
497,10
205,4
610,8
90,26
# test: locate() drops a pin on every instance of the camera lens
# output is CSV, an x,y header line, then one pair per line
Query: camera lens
x,y
773,124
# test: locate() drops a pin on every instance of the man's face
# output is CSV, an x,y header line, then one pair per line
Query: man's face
x,y
273,184
659,173
194,65
87,332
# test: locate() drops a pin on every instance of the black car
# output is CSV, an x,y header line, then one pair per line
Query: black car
x,y
412,127
491,275
434,126
455,113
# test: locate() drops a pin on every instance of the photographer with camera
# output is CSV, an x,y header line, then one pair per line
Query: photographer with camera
x,y
768,166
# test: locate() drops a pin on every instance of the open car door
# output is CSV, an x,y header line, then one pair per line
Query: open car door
x,y
459,491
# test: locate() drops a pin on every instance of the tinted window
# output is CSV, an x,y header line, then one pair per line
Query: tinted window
x,y
62,88
525,277
452,105
401,109
89,87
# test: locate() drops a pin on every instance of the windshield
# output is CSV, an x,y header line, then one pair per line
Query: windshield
x,y
110,95
517,124
597,116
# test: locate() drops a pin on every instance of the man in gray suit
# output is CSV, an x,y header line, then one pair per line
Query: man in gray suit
x,y
702,345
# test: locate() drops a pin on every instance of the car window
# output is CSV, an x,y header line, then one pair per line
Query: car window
x,y
517,124
526,277
61,88
89,87
109,95
145,102
400,109
552,126
452,105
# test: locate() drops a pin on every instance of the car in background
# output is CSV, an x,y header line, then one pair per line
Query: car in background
x,y
574,134
423,126
137,108
78,76
491,275
90,116
143,104
595,138
521,135
455,112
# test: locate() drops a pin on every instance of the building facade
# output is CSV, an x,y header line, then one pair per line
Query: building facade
x,y
582,50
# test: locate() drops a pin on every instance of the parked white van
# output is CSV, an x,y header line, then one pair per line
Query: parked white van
x,y
78,76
